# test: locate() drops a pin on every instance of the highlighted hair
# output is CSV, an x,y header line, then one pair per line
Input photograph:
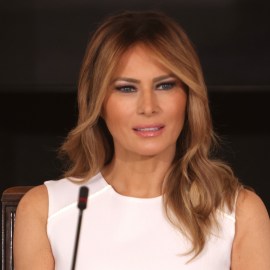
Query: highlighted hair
x,y
197,184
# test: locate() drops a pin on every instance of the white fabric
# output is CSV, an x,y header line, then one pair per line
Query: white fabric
x,y
126,233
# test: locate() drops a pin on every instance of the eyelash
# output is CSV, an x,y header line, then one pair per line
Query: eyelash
x,y
161,86
126,88
166,84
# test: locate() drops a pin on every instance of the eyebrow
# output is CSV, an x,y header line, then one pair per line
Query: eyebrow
x,y
156,79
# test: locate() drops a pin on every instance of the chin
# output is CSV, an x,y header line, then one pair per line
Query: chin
x,y
155,151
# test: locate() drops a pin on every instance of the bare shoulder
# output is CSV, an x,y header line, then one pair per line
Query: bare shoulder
x,y
250,205
35,201
251,246
32,248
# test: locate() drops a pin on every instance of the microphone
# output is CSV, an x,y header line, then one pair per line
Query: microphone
x,y
82,203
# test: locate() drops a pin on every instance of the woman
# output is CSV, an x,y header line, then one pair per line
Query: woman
x,y
158,199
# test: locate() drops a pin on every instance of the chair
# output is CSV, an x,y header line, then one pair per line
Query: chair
x,y
10,199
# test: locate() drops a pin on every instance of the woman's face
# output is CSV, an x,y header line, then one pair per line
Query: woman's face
x,y
145,106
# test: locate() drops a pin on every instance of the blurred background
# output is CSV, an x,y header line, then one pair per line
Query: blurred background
x,y
42,44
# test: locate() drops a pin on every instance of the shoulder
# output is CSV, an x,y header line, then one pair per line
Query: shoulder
x,y
69,185
31,244
250,206
252,237
251,214
35,202
64,192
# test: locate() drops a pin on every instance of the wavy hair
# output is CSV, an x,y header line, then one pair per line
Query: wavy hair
x,y
197,184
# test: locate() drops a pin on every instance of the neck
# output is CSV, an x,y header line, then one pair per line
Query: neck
x,y
141,177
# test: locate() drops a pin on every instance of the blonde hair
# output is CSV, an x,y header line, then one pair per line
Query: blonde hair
x,y
196,185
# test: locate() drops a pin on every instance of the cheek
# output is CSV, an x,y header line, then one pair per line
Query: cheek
x,y
178,114
115,112
178,106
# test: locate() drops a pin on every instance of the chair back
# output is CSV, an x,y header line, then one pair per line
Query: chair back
x,y
10,199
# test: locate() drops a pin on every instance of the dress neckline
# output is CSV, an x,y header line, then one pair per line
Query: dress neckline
x,y
125,197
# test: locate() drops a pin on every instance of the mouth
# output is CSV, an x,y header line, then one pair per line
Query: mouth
x,y
149,131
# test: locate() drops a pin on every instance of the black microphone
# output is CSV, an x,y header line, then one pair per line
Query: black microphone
x,y
82,203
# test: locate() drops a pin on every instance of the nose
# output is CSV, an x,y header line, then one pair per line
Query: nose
x,y
148,103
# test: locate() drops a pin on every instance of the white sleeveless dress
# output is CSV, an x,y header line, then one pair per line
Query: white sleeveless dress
x,y
126,233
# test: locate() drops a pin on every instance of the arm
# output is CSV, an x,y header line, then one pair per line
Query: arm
x,y
251,248
31,245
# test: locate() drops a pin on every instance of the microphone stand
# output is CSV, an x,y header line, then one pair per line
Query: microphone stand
x,y
83,196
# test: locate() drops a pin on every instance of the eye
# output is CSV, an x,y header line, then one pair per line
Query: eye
x,y
166,85
126,88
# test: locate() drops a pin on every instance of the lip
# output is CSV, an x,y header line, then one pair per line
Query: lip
x,y
149,130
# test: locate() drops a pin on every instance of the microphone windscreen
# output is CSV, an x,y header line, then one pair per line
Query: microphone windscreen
x,y
83,196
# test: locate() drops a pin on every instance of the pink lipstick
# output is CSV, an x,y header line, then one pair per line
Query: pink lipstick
x,y
149,131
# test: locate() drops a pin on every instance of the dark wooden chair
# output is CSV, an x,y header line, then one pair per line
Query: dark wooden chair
x,y
10,199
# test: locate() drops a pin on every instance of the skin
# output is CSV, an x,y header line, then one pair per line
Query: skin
x,y
141,162
251,247
32,249
143,94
